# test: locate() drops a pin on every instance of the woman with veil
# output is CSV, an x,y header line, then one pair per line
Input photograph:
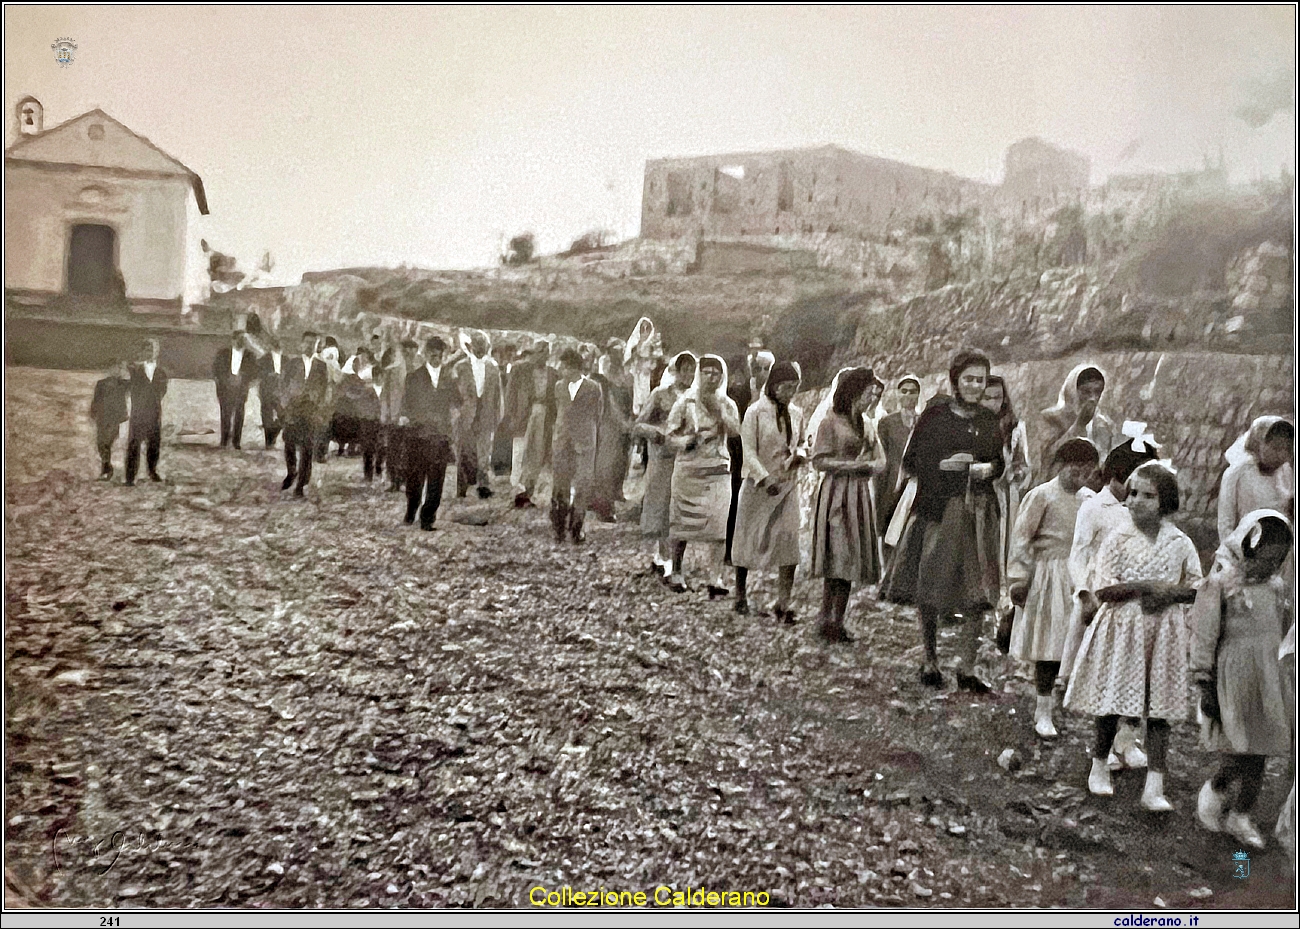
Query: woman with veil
x,y
767,511
699,424
1260,475
650,427
643,351
847,453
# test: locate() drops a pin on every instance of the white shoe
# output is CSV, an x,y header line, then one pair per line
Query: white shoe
x,y
1114,762
1209,807
1099,784
1043,718
1153,794
1239,826
1134,757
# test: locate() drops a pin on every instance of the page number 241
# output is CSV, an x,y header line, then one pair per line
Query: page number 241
x,y
110,920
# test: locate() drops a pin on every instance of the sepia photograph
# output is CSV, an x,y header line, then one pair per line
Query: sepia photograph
x,y
660,459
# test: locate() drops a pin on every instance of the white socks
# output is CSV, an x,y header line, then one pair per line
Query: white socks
x,y
1043,718
1153,795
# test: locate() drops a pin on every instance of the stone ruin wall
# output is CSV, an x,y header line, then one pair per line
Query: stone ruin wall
x,y
1222,360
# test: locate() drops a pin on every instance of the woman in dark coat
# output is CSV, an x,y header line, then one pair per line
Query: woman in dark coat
x,y
956,454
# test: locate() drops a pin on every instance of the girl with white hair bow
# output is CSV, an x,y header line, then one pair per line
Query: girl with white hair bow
x,y
1242,611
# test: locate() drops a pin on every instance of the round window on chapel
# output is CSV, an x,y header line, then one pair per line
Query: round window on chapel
x,y
96,131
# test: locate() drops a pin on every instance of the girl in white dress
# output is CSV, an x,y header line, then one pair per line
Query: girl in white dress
x,y
1134,654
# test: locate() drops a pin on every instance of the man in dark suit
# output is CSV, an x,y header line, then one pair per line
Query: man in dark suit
x,y
234,369
304,384
108,411
148,386
529,419
270,389
579,404
430,393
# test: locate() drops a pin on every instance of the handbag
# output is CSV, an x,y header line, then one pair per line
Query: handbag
x,y
1006,621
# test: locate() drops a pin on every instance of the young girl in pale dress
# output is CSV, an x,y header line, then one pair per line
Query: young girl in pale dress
x,y
1242,611
1133,657
1038,576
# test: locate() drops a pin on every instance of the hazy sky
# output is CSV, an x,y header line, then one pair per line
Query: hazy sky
x,y
339,136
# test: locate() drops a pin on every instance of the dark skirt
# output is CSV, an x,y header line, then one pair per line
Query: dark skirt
x,y
899,584
959,558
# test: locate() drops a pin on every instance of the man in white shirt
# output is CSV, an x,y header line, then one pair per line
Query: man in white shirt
x,y
270,387
234,369
148,384
579,402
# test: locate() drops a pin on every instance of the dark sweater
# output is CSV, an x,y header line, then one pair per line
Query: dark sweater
x,y
940,433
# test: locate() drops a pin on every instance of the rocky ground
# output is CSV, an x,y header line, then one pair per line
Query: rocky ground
x,y
219,695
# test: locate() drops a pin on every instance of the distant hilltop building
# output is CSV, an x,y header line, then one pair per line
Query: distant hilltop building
x,y
1038,174
96,211
831,190
796,192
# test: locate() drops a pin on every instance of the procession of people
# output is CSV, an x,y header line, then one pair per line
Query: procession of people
x,y
936,504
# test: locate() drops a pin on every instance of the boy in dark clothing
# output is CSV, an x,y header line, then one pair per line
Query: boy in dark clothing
x,y
108,410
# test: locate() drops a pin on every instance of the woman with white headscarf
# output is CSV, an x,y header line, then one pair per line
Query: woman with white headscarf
x,y
1076,415
643,351
699,424
1260,475
767,511
1242,610
656,504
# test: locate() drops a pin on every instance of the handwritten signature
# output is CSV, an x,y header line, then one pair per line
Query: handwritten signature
x,y
119,843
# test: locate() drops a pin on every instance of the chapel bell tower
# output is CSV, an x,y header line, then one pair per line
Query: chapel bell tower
x,y
31,116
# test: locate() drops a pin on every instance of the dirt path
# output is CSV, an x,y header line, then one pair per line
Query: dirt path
x,y
250,700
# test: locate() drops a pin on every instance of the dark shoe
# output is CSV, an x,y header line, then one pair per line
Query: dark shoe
x,y
522,501
971,683
155,477
559,519
742,607
716,593
297,492
484,493
785,616
394,487
235,446
834,634
105,475
428,527
677,587
288,482
409,519
930,676
130,482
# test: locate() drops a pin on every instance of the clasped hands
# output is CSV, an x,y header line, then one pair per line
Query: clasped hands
x,y
1153,596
